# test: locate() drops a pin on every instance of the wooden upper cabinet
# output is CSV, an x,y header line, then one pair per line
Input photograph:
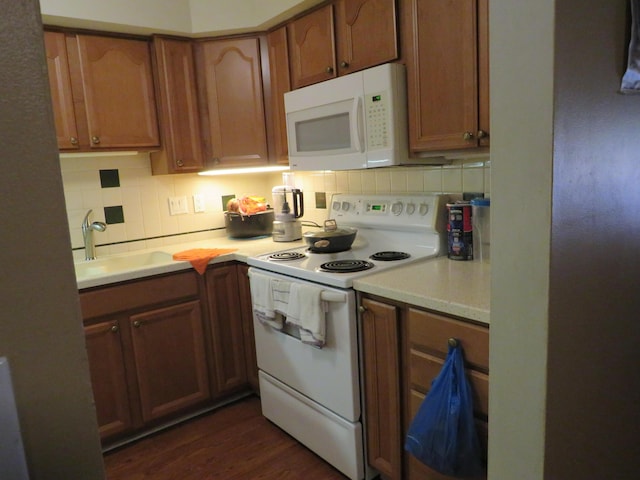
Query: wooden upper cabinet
x,y
312,48
118,92
483,72
366,33
280,83
102,92
60,86
230,74
442,45
175,76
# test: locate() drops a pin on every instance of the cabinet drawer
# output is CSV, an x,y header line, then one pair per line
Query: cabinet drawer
x,y
425,368
430,332
416,468
131,296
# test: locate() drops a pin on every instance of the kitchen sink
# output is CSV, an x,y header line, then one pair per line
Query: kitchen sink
x,y
121,263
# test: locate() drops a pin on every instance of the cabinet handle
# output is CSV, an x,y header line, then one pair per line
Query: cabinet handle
x,y
216,161
73,140
180,163
95,140
344,64
362,309
329,70
467,136
482,134
137,324
114,328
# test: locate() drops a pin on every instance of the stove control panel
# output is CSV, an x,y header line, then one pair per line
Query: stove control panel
x,y
390,211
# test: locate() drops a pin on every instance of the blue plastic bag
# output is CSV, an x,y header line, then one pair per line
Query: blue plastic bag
x,y
443,434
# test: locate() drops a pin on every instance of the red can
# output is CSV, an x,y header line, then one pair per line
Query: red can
x,y
460,231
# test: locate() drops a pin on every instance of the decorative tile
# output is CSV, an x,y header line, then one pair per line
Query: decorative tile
x,y
109,178
114,214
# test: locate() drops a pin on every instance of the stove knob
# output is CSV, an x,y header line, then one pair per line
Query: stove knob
x,y
345,206
396,208
336,205
424,209
411,208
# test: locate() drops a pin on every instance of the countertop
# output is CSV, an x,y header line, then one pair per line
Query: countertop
x,y
131,265
460,288
448,286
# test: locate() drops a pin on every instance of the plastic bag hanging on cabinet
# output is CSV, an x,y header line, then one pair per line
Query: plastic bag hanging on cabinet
x,y
443,434
631,78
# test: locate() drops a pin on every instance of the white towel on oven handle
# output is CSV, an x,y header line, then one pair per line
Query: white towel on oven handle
x,y
307,311
262,300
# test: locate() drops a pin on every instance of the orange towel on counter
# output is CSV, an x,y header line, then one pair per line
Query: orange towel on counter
x,y
200,257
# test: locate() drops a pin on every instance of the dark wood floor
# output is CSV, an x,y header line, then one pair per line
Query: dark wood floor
x,y
234,442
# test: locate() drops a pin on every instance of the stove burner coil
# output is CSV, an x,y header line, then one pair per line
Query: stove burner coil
x,y
389,256
346,266
286,256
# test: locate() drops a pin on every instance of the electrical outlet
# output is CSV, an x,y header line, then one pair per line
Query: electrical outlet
x,y
178,205
198,203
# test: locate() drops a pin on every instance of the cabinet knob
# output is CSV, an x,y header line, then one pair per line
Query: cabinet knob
x,y
467,136
482,134
73,140
329,70
95,140
137,323
362,309
344,64
180,163
114,328
215,160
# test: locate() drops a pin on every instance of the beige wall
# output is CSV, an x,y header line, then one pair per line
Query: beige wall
x,y
565,390
40,325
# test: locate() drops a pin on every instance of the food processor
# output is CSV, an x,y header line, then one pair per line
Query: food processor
x,y
288,205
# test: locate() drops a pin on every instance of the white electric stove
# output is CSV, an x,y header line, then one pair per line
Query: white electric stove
x,y
400,229
315,394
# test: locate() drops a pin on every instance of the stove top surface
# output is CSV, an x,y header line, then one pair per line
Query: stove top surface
x,y
393,230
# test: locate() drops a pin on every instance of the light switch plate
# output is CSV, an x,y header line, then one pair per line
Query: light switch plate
x,y
198,203
178,205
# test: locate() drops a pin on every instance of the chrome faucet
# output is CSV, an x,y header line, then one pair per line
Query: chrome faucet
x,y
87,235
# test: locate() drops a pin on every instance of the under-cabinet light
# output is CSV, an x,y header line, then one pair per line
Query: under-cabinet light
x,y
234,171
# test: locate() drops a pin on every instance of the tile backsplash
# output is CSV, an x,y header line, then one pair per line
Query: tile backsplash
x,y
120,188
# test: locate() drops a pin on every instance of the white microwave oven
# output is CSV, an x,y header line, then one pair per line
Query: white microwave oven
x,y
351,122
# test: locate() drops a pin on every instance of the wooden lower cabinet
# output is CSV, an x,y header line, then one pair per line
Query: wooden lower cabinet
x,y
166,347
404,349
225,316
246,311
170,363
381,351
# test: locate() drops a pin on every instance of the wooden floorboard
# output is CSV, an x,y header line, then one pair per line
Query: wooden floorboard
x,y
232,443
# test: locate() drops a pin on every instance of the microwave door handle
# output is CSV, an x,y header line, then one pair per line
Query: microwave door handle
x,y
359,130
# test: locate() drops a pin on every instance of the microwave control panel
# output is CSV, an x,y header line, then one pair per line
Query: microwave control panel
x,y
377,115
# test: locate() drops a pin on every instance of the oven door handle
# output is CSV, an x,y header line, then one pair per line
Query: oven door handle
x,y
328,295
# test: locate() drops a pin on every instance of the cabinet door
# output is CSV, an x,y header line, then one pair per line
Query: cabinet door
x,y
230,373
234,101
244,289
483,72
280,84
442,52
169,356
380,324
366,33
108,378
60,86
118,92
179,114
312,48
